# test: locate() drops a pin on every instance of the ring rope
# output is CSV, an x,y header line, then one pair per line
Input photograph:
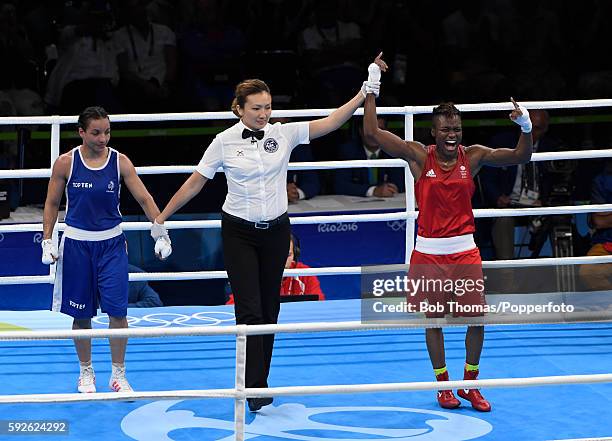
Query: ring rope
x,y
293,328
308,390
190,116
316,165
325,271
343,218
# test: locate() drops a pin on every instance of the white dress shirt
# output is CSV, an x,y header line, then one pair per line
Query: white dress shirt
x,y
146,58
256,172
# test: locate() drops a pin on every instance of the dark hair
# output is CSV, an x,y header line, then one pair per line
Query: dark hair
x,y
296,247
447,109
244,89
94,112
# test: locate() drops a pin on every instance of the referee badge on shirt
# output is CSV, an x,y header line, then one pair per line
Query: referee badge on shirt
x,y
270,145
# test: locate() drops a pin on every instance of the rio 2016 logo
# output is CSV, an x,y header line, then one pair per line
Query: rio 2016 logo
x,y
294,421
337,228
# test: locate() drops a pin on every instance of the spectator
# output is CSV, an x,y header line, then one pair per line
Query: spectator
x,y
19,80
330,50
86,70
534,43
302,184
379,182
470,33
599,276
169,12
211,53
516,186
299,285
146,59
19,69
141,295
593,74
281,20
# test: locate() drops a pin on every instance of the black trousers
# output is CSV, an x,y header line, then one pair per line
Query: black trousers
x,y
255,260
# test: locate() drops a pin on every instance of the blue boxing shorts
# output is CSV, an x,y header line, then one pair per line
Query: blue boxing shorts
x,y
91,274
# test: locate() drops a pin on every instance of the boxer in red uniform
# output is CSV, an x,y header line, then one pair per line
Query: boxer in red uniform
x,y
444,186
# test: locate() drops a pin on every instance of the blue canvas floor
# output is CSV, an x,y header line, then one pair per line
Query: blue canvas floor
x,y
541,413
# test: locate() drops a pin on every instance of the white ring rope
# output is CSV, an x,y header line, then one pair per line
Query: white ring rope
x,y
343,218
192,116
316,165
308,390
325,271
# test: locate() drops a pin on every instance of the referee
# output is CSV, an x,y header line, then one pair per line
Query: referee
x,y
255,225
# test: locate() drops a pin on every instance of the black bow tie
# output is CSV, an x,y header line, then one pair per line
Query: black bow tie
x,y
246,133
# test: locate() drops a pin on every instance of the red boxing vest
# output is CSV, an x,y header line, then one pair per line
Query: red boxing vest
x,y
444,198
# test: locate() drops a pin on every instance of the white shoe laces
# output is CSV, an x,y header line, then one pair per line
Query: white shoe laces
x,y
87,380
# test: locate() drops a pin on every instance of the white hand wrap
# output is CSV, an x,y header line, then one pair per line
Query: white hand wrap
x,y
49,252
163,247
524,121
373,73
163,244
373,83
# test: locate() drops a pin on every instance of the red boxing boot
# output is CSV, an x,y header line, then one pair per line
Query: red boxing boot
x,y
473,395
446,398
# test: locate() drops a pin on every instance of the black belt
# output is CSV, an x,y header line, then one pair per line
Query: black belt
x,y
263,225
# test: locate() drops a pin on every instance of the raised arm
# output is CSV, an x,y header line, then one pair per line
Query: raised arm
x,y
389,142
334,120
137,188
501,157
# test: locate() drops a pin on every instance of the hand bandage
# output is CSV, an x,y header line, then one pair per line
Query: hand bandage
x,y
373,83
49,252
373,73
370,87
524,121
163,247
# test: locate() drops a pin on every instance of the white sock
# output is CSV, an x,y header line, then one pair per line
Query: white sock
x,y
85,365
117,367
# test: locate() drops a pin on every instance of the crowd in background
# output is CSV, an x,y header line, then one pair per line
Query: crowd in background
x,y
192,52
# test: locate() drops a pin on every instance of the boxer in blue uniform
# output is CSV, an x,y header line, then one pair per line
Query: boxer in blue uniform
x,y
92,258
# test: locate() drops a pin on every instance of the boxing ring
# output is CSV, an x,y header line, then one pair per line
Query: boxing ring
x,y
335,377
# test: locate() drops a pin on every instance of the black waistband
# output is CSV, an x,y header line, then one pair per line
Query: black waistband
x,y
263,225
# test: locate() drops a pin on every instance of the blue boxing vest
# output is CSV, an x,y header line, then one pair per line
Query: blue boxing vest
x,y
92,195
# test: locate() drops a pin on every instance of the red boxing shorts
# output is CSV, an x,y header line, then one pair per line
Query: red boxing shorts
x,y
447,284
